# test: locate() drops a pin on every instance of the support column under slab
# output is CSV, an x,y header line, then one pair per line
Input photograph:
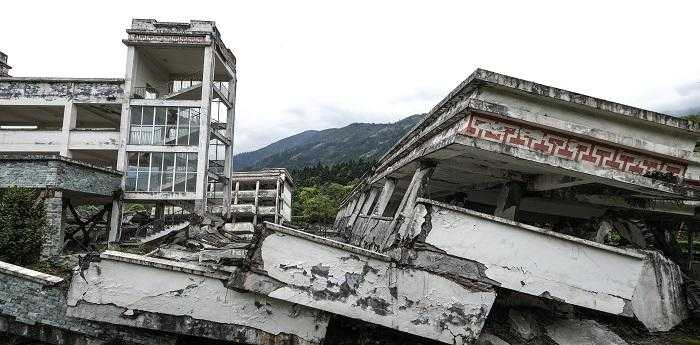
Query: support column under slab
x,y
115,221
56,225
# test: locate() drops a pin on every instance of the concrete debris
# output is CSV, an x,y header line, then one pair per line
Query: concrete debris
x,y
582,332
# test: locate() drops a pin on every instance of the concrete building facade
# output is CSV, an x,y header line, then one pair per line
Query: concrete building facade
x,y
167,125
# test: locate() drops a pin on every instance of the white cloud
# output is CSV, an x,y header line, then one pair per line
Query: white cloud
x,y
319,64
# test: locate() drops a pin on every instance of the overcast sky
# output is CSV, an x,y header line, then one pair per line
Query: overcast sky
x,y
315,65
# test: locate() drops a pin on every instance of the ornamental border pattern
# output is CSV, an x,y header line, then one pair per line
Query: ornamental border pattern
x,y
553,144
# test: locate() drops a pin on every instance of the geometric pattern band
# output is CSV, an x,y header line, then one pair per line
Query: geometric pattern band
x,y
555,144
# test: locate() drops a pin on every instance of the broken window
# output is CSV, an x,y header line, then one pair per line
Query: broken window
x,y
164,126
162,172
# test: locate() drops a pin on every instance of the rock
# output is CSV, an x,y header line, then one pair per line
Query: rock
x,y
582,332
489,339
523,324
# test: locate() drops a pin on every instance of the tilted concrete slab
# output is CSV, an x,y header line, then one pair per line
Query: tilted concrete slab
x,y
56,172
151,293
339,278
555,266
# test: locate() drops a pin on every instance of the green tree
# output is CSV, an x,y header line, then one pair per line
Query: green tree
x,y
22,226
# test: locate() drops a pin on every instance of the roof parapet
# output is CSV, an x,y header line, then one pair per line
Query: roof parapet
x,y
4,67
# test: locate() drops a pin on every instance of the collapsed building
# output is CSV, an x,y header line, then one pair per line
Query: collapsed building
x,y
509,197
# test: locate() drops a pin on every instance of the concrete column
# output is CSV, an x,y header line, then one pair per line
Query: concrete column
x,y
204,131
405,211
357,210
228,159
370,200
691,231
56,226
124,123
69,120
385,196
115,220
235,193
509,200
255,209
277,202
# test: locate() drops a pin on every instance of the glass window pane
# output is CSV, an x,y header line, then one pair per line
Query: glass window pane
x,y
194,117
148,115
191,182
156,161
194,136
131,180
181,162
170,135
133,161
142,181
168,161
135,115
141,135
144,161
180,179
160,116
182,135
159,135
192,162
172,116
167,185
184,115
155,182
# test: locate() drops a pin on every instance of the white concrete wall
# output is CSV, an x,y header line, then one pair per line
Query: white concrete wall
x,y
547,264
622,131
536,261
144,287
358,284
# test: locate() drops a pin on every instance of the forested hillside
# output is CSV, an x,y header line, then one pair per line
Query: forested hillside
x,y
358,141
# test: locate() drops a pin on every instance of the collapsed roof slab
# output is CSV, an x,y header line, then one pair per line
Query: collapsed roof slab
x,y
182,298
551,265
466,131
58,91
491,115
83,180
339,278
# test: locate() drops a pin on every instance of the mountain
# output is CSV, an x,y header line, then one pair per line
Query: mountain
x,y
367,141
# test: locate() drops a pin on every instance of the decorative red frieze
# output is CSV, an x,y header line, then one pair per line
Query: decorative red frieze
x,y
560,145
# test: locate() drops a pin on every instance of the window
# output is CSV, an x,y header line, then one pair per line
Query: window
x,y
162,172
164,126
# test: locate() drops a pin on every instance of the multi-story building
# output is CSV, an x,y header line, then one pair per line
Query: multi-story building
x,y
167,126
260,196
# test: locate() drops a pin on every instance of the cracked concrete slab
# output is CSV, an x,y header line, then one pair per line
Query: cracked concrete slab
x,y
311,272
141,295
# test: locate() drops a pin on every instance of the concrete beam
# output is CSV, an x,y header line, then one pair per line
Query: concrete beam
x,y
545,182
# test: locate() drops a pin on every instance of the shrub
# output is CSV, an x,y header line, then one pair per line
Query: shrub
x,y
22,226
